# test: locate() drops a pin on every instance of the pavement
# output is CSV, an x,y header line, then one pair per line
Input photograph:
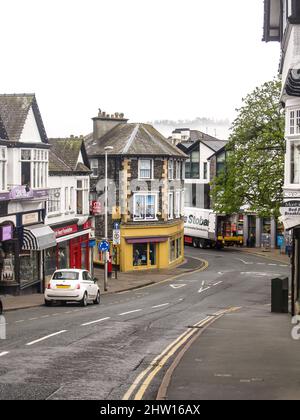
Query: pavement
x,y
245,355
123,282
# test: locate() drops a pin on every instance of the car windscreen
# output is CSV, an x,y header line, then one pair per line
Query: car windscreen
x,y
66,275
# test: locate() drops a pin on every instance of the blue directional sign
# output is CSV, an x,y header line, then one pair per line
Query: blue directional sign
x,y
116,226
103,246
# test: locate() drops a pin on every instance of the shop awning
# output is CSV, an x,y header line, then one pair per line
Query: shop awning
x,y
153,240
38,237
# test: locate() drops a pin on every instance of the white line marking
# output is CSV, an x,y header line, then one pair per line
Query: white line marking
x,y
243,261
95,322
130,312
160,306
55,314
283,265
272,264
123,293
261,263
21,320
216,284
32,319
4,353
201,288
177,286
45,338
45,316
204,290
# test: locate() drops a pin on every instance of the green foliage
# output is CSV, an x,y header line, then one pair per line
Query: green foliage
x,y
254,170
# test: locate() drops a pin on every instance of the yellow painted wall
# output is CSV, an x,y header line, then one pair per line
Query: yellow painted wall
x,y
162,249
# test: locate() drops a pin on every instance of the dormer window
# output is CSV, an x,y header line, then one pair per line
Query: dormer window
x,y
145,168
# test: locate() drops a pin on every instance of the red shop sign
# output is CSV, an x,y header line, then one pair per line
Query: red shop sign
x,y
87,225
66,230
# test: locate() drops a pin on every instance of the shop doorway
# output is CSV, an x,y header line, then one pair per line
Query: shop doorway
x,y
76,257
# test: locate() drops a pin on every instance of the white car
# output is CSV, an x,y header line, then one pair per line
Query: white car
x,y
72,285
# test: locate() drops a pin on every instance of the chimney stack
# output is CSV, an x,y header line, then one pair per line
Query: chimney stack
x,y
104,122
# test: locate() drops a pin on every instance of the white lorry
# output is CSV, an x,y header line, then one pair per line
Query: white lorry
x,y
200,227
204,228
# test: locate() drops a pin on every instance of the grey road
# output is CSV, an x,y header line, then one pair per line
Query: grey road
x,y
122,348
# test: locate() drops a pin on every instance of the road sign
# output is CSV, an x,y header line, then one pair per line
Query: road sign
x,y
116,226
92,243
116,237
103,246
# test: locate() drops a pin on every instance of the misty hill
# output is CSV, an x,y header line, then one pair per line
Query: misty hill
x,y
215,128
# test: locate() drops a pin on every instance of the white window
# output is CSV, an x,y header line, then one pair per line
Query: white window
x,y
177,204
171,169
66,199
205,174
54,201
144,206
295,162
82,196
171,205
145,169
294,122
178,168
34,167
94,163
3,168
71,202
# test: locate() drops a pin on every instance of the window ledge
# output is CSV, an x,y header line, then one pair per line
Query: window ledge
x,y
54,215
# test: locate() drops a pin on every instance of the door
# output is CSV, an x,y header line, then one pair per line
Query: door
x,y
75,257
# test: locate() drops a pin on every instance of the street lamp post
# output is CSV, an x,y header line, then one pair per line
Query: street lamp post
x,y
107,149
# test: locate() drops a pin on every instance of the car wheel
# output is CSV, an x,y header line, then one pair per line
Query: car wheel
x,y
97,300
84,300
48,302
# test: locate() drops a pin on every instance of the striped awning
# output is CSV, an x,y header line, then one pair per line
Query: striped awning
x,y
38,237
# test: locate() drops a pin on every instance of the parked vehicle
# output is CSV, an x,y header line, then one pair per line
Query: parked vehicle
x,y
72,285
1,307
205,228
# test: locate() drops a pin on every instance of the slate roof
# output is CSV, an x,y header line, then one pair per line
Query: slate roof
x,y
3,133
132,140
196,137
64,154
14,109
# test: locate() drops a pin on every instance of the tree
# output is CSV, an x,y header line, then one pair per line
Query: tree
x,y
254,169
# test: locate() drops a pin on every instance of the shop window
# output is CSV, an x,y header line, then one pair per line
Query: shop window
x,y
140,255
175,248
152,254
63,255
172,250
29,267
145,206
54,203
178,247
50,261
145,168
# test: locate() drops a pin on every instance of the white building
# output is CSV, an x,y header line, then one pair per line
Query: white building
x,y
24,152
68,205
282,23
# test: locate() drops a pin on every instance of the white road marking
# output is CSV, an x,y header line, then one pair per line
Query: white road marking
x,y
95,322
123,293
45,316
160,306
21,320
130,312
45,338
272,264
32,319
203,290
243,261
177,286
219,282
4,353
221,375
55,314
261,263
283,265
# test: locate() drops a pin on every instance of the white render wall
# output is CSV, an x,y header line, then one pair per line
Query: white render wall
x,y
63,182
30,133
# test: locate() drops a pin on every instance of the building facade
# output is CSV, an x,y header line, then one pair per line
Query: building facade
x,y
145,190
68,206
24,155
282,24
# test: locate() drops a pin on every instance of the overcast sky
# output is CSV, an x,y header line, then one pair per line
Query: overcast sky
x,y
151,59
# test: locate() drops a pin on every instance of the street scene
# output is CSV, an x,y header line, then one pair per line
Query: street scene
x,y
151,254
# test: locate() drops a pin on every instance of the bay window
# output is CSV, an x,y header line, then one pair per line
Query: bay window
x,y
144,206
171,205
294,122
145,169
295,162
3,168
34,167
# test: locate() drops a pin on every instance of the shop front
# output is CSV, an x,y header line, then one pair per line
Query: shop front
x,y
151,247
71,250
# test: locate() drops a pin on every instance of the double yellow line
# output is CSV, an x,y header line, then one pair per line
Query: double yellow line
x,y
144,379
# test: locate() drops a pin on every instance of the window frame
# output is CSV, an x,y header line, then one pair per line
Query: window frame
x,y
151,177
93,167
170,207
51,208
145,195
